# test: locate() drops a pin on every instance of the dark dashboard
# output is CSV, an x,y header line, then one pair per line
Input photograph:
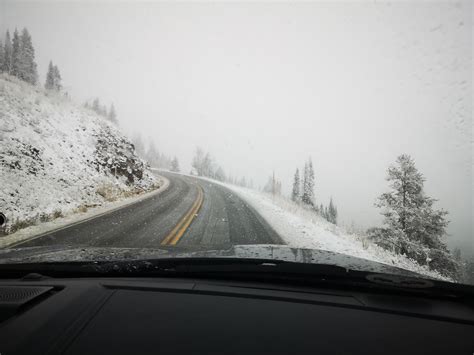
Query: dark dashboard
x,y
162,315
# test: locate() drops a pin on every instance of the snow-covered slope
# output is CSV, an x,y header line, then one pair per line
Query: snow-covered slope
x,y
301,228
57,157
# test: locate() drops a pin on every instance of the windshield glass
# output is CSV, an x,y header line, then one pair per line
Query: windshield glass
x,y
319,132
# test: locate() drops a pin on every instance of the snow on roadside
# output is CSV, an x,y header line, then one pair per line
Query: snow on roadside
x,y
78,217
57,158
301,228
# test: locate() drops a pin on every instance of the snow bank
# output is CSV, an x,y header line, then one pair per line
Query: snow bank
x,y
302,228
57,158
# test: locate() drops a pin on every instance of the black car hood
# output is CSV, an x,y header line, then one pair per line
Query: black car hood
x,y
265,252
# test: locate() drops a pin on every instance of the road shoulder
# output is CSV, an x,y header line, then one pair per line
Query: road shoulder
x,y
40,229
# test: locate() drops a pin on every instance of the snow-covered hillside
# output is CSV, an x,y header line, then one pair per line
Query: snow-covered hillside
x,y
302,228
57,157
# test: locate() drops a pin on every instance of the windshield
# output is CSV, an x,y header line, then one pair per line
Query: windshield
x,y
314,132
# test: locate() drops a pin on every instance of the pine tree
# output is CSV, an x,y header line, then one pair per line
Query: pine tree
x,y
308,184
26,66
49,84
2,56
112,116
57,78
332,212
16,48
175,165
304,187
295,193
412,226
8,51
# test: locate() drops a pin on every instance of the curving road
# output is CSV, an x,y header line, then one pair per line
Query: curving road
x,y
191,213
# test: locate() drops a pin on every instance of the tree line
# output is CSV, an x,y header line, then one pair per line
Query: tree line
x,y
101,110
411,225
17,58
302,193
153,156
204,164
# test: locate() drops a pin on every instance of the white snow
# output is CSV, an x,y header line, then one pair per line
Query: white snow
x,y
302,228
40,229
49,164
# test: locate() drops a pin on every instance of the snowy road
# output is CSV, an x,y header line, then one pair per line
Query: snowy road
x,y
192,213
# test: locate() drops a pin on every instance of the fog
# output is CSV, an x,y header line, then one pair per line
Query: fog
x,y
263,87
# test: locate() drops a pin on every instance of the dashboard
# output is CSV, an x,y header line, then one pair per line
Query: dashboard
x,y
206,316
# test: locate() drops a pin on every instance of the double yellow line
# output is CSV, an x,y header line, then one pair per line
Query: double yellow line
x,y
175,235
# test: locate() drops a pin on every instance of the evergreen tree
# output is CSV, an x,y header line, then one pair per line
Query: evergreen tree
x,y
305,184
49,84
26,66
175,165
57,78
112,116
295,193
308,184
16,48
8,52
2,56
332,212
321,211
412,226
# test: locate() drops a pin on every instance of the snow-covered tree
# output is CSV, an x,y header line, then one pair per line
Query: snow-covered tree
x,y
26,66
308,184
53,78
8,52
16,52
57,78
112,115
411,224
49,84
175,165
2,56
296,191
273,185
332,212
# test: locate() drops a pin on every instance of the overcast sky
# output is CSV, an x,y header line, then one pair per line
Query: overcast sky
x,y
265,86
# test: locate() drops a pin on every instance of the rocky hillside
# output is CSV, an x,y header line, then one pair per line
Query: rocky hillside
x,y
57,158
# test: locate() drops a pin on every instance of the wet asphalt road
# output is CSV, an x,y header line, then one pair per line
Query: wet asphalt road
x,y
223,220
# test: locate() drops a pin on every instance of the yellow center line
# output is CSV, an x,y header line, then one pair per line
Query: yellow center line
x,y
175,235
